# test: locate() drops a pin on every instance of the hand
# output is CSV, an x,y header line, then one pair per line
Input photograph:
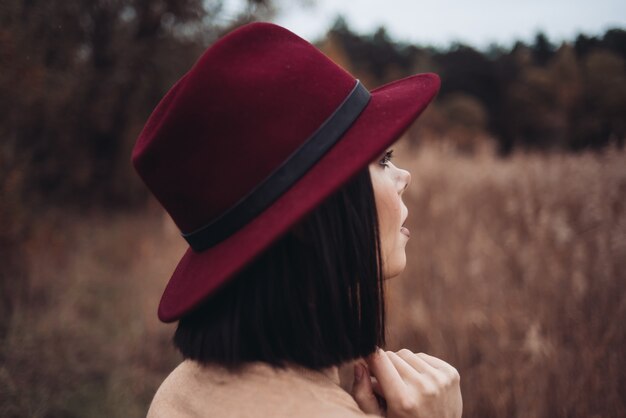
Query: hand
x,y
405,385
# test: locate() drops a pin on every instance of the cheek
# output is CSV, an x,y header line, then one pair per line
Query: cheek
x,y
394,257
388,206
389,224
391,210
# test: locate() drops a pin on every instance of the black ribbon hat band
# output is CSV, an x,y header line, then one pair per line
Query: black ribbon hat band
x,y
296,165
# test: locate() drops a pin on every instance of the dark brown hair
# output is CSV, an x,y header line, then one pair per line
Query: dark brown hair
x,y
314,298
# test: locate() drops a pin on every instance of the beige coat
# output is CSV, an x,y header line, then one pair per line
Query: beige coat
x,y
193,390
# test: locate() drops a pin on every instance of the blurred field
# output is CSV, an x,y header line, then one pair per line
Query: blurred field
x,y
515,276
86,342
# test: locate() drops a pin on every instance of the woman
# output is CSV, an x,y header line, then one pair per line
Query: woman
x,y
274,163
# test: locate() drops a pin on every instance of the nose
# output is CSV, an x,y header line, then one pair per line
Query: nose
x,y
405,179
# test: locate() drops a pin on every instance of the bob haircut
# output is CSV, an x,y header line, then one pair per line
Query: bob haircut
x,y
314,298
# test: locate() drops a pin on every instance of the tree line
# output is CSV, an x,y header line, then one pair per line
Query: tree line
x,y
541,96
79,79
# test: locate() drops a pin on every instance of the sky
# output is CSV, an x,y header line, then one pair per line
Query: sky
x,y
441,22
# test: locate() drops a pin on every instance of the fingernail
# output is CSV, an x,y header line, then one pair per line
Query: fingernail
x,y
376,354
358,372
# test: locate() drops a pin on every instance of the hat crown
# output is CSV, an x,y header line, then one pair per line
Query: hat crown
x,y
245,106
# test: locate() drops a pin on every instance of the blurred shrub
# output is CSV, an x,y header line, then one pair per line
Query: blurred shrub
x,y
84,341
78,80
466,120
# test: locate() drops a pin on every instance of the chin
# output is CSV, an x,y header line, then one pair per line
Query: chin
x,y
396,269
394,264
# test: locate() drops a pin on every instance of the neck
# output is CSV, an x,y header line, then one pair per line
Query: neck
x,y
330,373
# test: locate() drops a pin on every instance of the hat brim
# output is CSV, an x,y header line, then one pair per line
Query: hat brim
x,y
390,111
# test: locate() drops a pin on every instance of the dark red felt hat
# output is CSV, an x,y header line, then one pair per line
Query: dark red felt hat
x,y
253,137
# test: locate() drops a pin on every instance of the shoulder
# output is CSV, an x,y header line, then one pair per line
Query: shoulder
x,y
171,398
194,390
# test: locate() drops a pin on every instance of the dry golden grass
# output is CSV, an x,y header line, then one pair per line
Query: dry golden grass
x,y
515,276
87,342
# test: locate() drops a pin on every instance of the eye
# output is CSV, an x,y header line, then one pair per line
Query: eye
x,y
386,158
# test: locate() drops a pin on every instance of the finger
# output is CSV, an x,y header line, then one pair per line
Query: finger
x,y
407,370
438,363
410,357
418,362
426,370
363,393
375,384
433,361
382,368
425,381
376,387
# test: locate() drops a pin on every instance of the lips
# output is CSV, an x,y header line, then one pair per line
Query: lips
x,y
404,229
